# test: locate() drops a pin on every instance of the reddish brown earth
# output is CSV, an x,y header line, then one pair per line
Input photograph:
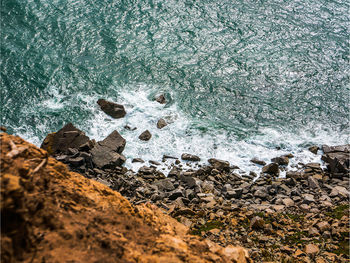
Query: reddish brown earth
x,y
49,214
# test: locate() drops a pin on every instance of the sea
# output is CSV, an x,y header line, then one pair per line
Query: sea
x,y
242,78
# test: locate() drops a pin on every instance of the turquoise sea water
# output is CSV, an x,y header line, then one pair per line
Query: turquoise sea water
x,y
241,77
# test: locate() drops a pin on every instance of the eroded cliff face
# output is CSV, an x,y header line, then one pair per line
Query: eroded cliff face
x,y
49,214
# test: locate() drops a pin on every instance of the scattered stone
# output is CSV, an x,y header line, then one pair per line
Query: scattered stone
x,y
257,161
154,162
288,202
308,198
161,123
271,168
313,183
146,170
323,226
161,99
145,136
112,109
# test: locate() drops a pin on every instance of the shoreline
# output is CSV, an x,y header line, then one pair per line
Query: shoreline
x,y
263,214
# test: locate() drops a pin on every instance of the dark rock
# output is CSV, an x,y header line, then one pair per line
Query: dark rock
x,y
3,128
219,164
282,160
190,157
161,123
165,185
61,158
154,162
169,157
146,170
174,172
190,181
161,99
77,161
257,223
67,137
107,153
127,127
314,149
337,158
234,193
137,160
145,136
271,168
257,161
72,152
86,146
175,194
112,109
261,193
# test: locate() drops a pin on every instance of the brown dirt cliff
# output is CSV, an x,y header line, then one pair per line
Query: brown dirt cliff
x,y
49,214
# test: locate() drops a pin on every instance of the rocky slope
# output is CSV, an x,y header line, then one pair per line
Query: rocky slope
x,y
49,214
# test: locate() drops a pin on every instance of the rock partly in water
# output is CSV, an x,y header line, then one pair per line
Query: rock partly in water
x,y
337,158
161,99
112,109
219,164
190,157
257,161
145,136
161,123
271,168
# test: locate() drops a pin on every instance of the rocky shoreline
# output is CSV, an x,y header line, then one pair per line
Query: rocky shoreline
x,y
303,217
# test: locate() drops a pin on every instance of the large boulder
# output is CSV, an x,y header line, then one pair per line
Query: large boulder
x,y
112,109
67,137
337,158
219,164
107,153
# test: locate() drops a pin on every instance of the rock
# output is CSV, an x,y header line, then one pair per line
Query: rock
x,y
313,183
137,160
190,181
154,162
234,193
257,161
288,202
282,160
323,226
337,157
3,128
271,168
161,123
146,170
112,109
339,191
67,137
161,99
261,193
257,223
313,231
107,153
314,149
219,164
308,198
165,184
76,162
190,157
175,194
311,249
145,136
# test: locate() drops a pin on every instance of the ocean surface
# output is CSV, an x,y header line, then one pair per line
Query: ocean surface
x,y
242,79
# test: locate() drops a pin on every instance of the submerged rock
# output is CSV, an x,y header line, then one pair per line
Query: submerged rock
x,y
112,109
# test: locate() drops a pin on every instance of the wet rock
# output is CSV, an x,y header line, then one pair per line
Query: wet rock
x,y
271,168
161,99
219,164
282,160
257,161
137,160
190,157
67,137
314,149
112,109
145,136
161,123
